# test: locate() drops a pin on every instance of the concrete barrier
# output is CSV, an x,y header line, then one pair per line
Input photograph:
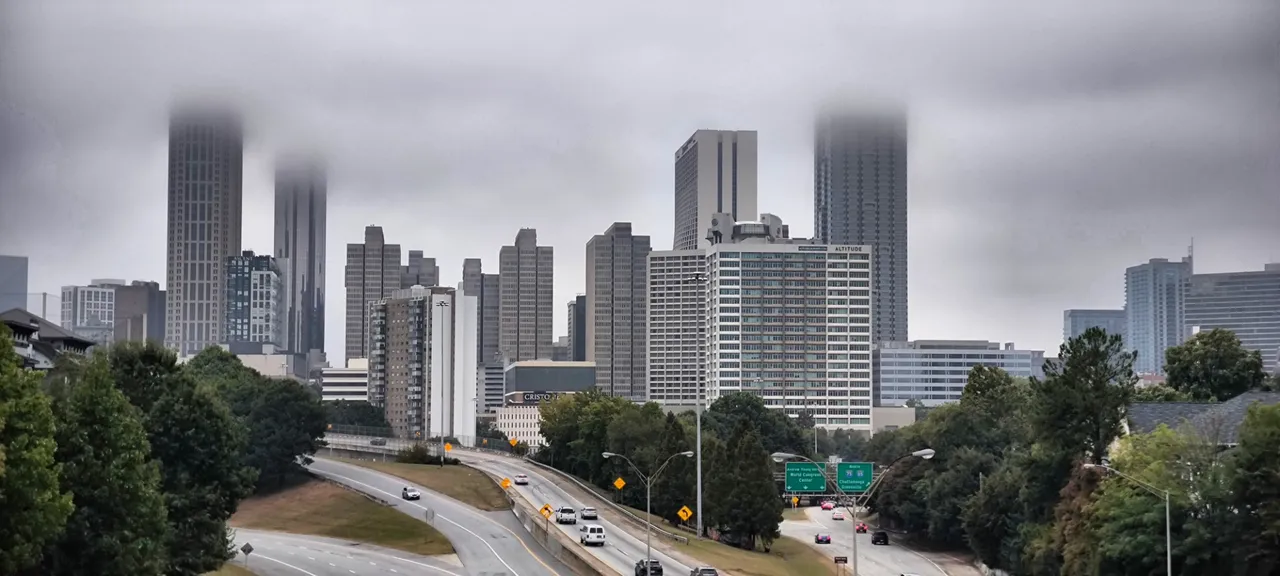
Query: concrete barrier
x,y
371,497
552,539
617,508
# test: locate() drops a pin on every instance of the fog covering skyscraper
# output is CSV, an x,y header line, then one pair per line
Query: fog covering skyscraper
x,y
301,216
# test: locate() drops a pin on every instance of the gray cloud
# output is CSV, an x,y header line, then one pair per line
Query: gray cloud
x,y
1052,144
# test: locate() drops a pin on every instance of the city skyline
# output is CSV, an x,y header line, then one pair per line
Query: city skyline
x,y
1025,200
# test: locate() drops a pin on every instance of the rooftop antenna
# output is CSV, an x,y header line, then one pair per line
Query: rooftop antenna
x,y
1191,253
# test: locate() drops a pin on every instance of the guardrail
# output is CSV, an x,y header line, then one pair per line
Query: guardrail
x,y
616,507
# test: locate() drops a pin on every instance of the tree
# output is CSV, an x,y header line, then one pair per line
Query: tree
x,y
1080,405
675,487
1213,365
778,432
118,527
757,509
35,509
343,413
1256,488
285,424
1159,393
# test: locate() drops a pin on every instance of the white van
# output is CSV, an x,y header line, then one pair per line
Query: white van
x,y
591,535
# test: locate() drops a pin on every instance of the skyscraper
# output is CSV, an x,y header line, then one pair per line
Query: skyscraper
x,y
677,323
860,198
301,222
204,197
140,312
89,311
256,302
1076,321
485,288
616,318
578,328
715,173
420,271
525,298
1246,303
373,272
13,282
1155,310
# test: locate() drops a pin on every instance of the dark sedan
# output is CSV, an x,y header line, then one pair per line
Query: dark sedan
x,y
821,538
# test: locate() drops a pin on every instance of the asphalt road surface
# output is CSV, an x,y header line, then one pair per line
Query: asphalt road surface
x,y
621,549
487,543
278,554
890,560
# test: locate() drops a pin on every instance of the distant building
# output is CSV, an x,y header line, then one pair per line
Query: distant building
x,y
40,342
550,377
520,419
372,273
13,282
560,351
256,301
677,325
485,288
90,311
1076,321
935,372
422,365
493,385
139,313
526,286
616,319
1246,303
1155,310
269,360
715,173
349,383
420,271
578,328
301,234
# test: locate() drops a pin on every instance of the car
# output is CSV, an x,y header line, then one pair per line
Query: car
x,y
861,528
521,479
703,571
378,442
821,538
654,568
591,535
566,515
410,494
880,539
837,515
587,513
828,505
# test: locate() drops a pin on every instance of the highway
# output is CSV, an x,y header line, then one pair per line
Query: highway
x,y
891,560
278,554
622,548
487,543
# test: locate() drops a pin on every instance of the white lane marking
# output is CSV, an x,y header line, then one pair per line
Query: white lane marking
x,y
332,564
351,571
438,515
285,563
426,566
372,563
311,559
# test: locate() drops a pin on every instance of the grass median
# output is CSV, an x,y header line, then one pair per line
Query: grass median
x,y
230,569
462,483
322,509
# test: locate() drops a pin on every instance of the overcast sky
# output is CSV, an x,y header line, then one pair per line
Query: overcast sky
x,y
1052,144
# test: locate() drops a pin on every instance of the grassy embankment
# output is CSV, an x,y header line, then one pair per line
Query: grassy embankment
x,y
322,509
459,482
230,569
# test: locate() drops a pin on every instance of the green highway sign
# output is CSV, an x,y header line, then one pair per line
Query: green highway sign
x,y
806,477
853,476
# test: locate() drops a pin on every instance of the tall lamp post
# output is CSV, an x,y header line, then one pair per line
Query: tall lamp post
x,y
648,492
925,454
1168,525
697,404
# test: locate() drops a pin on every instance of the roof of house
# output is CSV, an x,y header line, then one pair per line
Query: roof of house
x,y
1216,420
47,330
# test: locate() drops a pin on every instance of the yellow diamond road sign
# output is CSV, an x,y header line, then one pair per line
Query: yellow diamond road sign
x,y
684,513
513,442
448,447
795,500
619,483
506,483
546,510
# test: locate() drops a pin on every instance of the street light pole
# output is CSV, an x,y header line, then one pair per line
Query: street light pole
x,y
926,453
697,408
648,494
1168,524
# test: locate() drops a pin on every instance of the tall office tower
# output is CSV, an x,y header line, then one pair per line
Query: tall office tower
x,y
1246,303
677,327
616,318
13,282
485,288
257,301
205,156
420,271
1076,321
1155,310
715,173
140,312
373,272
860,199
560,351
525,298
790,321
301,224
90,311
422,365
578,328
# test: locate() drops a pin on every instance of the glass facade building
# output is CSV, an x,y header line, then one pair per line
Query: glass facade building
x,y
1155,310
934,372
1246,303
256,303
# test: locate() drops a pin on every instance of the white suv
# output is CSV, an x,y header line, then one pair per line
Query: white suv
x,y
591,535
566,515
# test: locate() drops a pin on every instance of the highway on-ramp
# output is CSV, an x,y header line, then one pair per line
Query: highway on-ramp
x,y
891,560
621,550
280,554
487,543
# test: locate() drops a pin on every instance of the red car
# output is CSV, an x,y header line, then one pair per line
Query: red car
x,y
821,538
828,505
861,528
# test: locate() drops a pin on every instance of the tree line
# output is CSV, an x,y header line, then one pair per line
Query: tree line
x,y
128,463
741,502
1011,479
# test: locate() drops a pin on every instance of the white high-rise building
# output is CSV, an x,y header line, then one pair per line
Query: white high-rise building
x,y
89,311
789,321
422,363
677,326
1155,297
715,173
